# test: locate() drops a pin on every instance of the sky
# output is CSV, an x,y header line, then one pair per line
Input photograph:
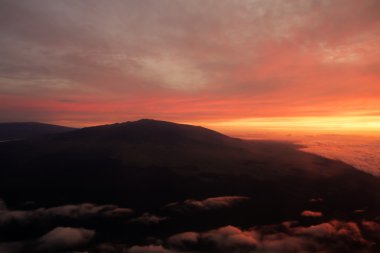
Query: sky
x,y
228,64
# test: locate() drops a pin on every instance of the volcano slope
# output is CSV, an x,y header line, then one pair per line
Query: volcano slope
x,y
22,130
155,186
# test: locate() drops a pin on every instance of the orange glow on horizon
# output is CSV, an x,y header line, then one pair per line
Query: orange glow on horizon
x,y
235,66
358,125
273,126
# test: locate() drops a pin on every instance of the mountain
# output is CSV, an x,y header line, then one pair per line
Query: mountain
x,y
148,130
179,177
22,130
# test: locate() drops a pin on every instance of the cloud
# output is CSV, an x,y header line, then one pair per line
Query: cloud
x,y
3,206
372,229
149,249
335,230
329,237
231,238
324,230
65,238
147,218
264,57
313,214
206,204
80,211
86,210
60,238
224,239
316,200
184,240
11,247
228,238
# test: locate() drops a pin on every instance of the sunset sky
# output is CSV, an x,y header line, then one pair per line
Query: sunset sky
x,y
230,65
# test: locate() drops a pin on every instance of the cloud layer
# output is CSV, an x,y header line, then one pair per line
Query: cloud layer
x,y
332,236
76,212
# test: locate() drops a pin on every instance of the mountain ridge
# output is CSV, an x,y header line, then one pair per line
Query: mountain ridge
x,y
147,130
148,165
22,130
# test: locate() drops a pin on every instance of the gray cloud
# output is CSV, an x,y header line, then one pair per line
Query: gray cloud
x,y
206,204
81,211
147,218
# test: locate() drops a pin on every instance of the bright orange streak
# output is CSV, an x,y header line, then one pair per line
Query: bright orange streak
x,y
365,125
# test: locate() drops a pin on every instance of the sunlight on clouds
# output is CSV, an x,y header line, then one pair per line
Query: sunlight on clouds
x,y
189,60
364,49
172,72
340,124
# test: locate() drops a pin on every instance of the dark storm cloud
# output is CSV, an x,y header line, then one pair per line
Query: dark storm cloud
x,y
206,204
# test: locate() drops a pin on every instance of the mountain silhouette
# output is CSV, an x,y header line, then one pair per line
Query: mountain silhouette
x,y
148,164
144,148
148,131
22,130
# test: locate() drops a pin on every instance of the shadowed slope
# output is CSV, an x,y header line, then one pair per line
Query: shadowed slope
x,y
22,130
148,131
147,164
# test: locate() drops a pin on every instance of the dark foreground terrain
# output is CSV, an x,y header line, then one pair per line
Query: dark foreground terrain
x,y
154,186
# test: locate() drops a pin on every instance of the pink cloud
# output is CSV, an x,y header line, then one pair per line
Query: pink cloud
x,y
65,238
308,213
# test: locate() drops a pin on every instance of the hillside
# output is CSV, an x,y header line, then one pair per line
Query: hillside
x,y
23,130
190,175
